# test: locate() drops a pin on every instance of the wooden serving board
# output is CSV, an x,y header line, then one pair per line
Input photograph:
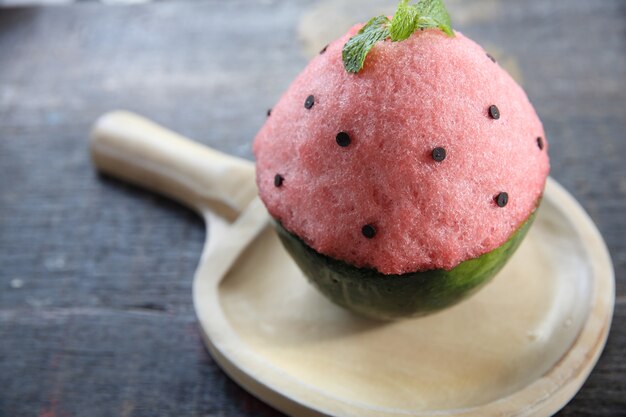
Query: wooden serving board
x,y
522,346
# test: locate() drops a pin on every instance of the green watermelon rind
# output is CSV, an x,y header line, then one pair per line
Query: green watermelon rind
x,y
388,297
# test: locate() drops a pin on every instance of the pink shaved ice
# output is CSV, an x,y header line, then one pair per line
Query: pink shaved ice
x,y
412,96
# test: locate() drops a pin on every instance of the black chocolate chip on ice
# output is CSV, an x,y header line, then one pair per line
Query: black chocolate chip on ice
x,y
494,112
439,154
278,180
309,102
368,231
540,142
343,139
502,199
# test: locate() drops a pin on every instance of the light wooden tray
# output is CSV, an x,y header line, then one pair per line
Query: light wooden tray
x,y
522,346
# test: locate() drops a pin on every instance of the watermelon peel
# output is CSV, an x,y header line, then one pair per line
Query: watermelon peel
x,y
388,297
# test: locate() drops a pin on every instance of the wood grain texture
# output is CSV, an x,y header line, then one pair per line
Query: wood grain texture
x,y
95,276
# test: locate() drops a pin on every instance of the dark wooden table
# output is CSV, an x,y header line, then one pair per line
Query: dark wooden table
x,y
96,316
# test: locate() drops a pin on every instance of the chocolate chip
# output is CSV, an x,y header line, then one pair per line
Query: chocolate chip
x,y
494,112
368,231
309,102
491,57
324,49
269,112
540,142
278,180
439,154
343,139
501,199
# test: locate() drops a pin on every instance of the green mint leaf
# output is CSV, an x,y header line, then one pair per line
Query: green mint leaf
x,y
433,14
404,21
357,48
407,19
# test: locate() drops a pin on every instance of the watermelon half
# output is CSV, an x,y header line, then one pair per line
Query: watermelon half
x,y
402,188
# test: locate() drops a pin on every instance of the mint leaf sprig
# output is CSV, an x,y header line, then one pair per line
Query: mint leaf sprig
x,y
406,20
357,47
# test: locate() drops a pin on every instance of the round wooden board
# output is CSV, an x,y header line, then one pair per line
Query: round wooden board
x,y
522,346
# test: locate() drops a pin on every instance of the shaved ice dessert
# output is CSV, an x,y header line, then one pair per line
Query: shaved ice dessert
x,y
403,166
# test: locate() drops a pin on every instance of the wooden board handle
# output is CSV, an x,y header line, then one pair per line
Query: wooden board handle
x,y
137,150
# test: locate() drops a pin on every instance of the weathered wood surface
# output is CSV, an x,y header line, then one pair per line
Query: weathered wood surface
x,y
95,276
